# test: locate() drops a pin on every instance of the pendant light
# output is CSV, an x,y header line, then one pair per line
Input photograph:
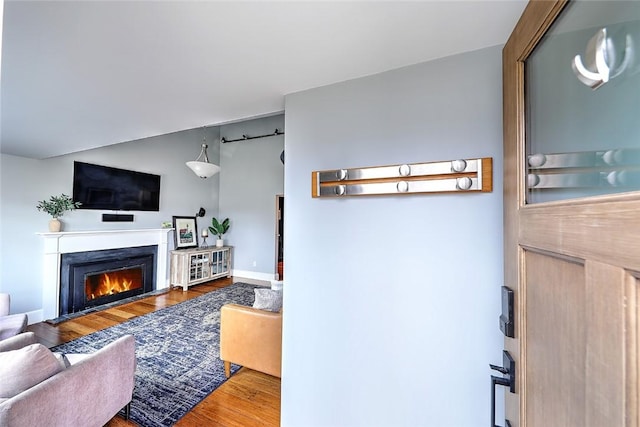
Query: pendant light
x,y
203,168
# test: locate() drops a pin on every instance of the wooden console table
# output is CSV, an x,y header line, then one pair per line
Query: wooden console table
x,y
192,266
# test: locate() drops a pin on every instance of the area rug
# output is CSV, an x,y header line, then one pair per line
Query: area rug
x,y
177,351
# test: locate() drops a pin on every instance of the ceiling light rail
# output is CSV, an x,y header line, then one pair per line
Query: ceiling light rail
x,y
461,175
247,137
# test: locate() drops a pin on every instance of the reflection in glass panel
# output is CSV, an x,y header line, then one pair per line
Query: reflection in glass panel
x,y
583,103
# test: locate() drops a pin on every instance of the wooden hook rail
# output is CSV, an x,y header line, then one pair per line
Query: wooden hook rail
x,y
462,175
601,169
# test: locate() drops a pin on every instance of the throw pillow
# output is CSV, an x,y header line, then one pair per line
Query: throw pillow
x,y
24,368
268,299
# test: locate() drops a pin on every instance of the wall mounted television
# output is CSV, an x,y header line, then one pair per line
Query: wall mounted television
x,y
108,188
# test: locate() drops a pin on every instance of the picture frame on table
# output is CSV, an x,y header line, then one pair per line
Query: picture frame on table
x,y
185,232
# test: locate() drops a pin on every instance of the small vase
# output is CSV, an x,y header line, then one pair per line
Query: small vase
x,y
55,225
219,243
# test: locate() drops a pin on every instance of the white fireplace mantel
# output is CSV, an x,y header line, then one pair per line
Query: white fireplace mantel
x,y
56,244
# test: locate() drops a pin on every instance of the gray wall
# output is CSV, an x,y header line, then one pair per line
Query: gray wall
x,y
251,176
391,302
24,182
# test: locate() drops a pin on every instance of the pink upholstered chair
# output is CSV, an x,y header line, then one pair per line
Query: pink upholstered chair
x,y
10,324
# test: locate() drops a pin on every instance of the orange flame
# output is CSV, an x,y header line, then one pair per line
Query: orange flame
x,y
111,284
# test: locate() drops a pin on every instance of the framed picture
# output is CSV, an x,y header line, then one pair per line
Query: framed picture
x,y
186,232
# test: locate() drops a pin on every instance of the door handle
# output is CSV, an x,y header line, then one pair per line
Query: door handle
x,y
509,369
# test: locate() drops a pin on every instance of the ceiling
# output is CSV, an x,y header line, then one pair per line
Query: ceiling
x,y
83,74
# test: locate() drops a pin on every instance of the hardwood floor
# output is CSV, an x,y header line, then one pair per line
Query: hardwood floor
x,y
248,398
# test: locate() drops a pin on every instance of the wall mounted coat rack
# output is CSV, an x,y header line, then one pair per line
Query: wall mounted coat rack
x,y
462,175
604,169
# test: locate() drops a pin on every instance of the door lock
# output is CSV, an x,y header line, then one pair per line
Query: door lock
x,y
508,369
506,318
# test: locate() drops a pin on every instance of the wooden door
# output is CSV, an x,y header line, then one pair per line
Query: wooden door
x,y
574,267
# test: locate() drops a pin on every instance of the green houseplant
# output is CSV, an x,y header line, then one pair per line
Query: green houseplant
x,y
219,228
56,206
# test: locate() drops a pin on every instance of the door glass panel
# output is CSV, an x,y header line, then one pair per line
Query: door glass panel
x,y
583,103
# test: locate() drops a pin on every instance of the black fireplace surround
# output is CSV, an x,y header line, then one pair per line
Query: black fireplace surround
x,y
76,267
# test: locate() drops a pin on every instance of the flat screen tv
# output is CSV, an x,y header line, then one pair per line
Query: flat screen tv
x,y
107,188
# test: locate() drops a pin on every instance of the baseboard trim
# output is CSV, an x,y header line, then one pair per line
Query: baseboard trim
x,y
261,283
254,275
35,316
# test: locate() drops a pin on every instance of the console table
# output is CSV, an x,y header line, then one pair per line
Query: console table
x,y
192,266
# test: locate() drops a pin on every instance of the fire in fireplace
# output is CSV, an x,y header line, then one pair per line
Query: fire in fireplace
x,y
113,282
89,279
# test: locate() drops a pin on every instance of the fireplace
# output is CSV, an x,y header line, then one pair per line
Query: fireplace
x,y
93,278
113,282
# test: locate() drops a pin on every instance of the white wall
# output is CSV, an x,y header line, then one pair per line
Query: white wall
x,y
26,181
391,302
251,176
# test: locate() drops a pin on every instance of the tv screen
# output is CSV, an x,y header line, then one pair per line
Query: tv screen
x,y
104,187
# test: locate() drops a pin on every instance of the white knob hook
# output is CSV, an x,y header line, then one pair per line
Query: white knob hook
x,y
600,58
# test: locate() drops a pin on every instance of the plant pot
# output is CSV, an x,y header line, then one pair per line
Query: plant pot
x,y
219,243
55,225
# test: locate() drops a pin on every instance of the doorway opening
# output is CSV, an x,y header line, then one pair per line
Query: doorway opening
x,y
280,236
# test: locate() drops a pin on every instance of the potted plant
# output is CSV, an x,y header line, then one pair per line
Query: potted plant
x,y
56,206
219,228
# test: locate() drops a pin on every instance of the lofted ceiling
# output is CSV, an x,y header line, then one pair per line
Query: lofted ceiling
x,y
83,74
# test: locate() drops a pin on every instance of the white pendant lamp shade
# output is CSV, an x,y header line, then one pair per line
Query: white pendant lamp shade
x,y
203,168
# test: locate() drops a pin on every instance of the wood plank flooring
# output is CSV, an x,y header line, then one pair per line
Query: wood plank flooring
x,y
249,398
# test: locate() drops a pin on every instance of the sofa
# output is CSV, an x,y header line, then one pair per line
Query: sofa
x,y
40,387
252,338
10,324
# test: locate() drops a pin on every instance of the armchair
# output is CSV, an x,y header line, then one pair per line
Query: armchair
x,y
252,338
10,324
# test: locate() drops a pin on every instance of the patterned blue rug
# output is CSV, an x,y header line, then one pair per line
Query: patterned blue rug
x,y
177,351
